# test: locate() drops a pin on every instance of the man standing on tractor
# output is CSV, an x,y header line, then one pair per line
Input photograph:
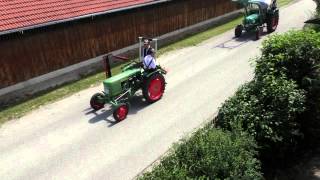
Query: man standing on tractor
x,y
146,47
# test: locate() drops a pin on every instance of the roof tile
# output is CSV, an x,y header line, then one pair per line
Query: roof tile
x,y
16,14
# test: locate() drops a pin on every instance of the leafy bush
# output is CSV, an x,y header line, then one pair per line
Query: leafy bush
x,y
296,55
267,110
209,154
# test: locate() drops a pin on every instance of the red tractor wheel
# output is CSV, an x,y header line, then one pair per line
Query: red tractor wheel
x,y
272,23
153,88
95,101
121,112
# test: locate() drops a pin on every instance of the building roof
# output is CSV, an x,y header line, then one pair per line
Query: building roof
x,y
19,15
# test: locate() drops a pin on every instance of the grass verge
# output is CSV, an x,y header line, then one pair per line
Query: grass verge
x,y
284,2
20,109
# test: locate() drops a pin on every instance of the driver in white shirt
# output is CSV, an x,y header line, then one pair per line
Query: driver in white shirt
x,y
149,61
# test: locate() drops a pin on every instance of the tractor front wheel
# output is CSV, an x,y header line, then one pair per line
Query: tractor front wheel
x,y
259,31
238,31
153,88
95,101
121,112
272,23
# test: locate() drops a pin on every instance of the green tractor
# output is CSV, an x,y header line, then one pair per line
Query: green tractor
x,y
257,15
119,88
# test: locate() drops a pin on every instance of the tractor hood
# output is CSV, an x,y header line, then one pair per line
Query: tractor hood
x,y
114,86
121,76
252,19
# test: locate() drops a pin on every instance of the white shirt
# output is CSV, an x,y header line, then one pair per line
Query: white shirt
x,y
149,62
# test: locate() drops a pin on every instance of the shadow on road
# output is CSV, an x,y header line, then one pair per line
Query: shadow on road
x,y
237,42
102,115
250,36
137,103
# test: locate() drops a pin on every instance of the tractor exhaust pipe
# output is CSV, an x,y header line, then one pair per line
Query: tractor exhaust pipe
x,y
106,60
155,46
140,49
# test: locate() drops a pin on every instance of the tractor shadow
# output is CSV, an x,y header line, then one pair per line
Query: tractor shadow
x,y
250,36
104,114
137,103
237,42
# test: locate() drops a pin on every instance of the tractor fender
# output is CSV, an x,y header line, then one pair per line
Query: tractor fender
x,y
158,71
149,74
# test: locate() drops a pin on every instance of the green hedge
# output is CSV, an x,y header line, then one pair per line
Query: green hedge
x,y
280,108
209,154
267,110
296,56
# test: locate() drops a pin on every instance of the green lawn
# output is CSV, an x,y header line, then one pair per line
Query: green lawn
x,y
20,109
284,2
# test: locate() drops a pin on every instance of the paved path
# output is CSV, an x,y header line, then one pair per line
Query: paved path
x,y
65,140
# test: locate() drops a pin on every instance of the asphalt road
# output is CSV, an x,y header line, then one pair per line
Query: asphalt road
x,y
66,140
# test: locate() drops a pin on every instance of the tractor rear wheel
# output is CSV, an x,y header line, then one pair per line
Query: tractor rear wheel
x,y
121,112
95,103
153,88
238,31
272,23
